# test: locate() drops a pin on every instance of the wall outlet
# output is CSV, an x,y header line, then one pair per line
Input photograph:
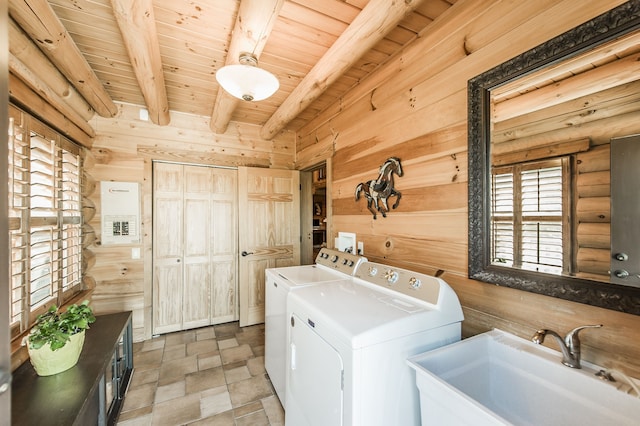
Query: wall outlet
x,y
135,253
360,248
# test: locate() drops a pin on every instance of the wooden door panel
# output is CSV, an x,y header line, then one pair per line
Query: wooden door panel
x,y
167,295
224,246
168,234
196,227
224,231
269,233
224,306
196,297
167,248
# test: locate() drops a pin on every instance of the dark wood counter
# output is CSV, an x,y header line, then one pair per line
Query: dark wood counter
x,y
89,393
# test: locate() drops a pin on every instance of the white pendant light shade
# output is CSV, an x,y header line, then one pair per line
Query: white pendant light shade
x,y
246,81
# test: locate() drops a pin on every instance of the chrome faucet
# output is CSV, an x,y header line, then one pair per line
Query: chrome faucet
x,y
570,346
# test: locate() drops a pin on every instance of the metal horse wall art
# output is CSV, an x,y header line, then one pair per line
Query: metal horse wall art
x,y
378,191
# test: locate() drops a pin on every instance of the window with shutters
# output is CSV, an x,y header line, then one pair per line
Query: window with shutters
x,y
530,205
45,221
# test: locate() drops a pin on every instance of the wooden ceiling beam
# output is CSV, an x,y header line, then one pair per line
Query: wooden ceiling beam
x,y
253,26
137,24
39,21
371,25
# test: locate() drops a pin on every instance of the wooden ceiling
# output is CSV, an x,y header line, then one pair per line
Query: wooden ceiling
x,y
164,54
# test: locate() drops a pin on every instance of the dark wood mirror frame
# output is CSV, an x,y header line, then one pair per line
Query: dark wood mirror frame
x,y
615,23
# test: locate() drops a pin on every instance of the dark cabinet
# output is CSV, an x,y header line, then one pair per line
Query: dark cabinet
x,y
90,393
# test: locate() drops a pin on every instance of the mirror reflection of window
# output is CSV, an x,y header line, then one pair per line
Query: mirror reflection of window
x,y
530,203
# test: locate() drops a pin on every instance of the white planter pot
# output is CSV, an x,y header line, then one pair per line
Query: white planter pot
x,y
47,362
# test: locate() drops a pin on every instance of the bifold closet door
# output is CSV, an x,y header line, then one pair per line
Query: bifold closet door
x,y
195,246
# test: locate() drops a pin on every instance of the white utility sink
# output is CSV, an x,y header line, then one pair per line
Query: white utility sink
x,y
497,378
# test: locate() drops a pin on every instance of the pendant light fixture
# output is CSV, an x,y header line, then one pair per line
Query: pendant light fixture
x,y
246,80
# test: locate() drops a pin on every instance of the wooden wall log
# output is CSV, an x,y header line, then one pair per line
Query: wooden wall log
x,y
593,260
40,22
595,184
37,85
595,160
594,235
22,95
28,53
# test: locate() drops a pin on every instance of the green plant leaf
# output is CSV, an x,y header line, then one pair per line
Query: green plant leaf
x,y
56,328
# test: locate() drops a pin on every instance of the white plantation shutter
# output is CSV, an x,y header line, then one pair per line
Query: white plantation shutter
x,y
45,222
529,202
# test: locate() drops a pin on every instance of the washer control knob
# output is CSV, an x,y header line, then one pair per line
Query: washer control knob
x,y
351,263
415,283
334,258
391,276
373,271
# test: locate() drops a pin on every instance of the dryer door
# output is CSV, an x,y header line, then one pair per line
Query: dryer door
x,y
314,378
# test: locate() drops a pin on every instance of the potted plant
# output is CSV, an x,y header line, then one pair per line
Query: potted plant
x,y
55,341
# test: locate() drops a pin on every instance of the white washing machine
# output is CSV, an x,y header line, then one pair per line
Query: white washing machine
x,y
349,341
331,265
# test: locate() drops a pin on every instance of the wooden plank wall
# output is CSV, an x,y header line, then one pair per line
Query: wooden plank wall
x,y
123,150
415,108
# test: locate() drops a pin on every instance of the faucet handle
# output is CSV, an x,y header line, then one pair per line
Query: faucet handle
x,y
572,340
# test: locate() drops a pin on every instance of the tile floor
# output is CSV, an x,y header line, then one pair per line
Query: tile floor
x,y
207,376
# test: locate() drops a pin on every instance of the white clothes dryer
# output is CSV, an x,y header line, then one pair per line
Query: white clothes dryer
x,y
331,266
349,341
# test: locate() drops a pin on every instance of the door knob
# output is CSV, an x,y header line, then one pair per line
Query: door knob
x,y
245,253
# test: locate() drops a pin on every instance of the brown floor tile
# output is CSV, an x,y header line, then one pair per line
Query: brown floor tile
x,y
222,419
215,401
249,390
256,366
205,333
206,361
168,392
174,370
207,376
226,330
142,377
139,397
274,410
202,347
177,411
180,337
250,408
235,354
147,360
203,380
255,419
132,414
174,352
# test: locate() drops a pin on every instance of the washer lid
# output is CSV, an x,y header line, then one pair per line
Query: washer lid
x,y
307,274
360,315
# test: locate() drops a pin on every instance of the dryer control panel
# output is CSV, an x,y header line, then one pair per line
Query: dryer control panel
x,y
404,281
340,261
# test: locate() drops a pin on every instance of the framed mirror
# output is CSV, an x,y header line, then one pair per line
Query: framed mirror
x,y
540,132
